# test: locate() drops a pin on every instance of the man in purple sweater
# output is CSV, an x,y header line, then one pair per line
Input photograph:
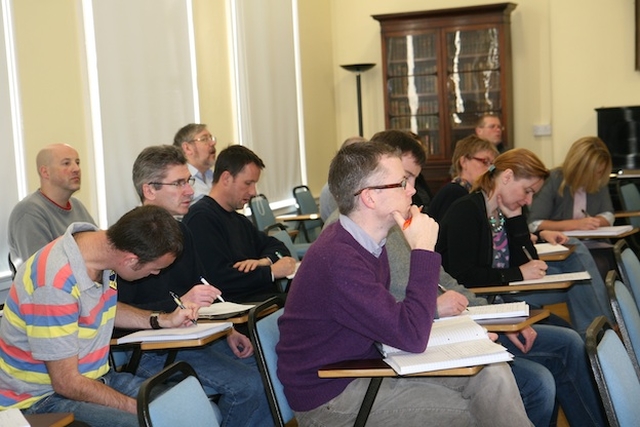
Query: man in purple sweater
x,y
339,306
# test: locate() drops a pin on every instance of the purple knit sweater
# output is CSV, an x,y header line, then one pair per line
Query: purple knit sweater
x,y
339,305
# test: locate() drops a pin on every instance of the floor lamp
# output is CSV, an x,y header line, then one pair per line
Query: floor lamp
x,y
358,69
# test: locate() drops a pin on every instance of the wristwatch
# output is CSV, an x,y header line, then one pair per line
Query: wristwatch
x,y
153,320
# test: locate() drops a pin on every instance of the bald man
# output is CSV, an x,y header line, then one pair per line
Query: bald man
x,y
45,214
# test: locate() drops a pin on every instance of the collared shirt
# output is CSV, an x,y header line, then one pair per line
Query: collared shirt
x,y
361,237
203,182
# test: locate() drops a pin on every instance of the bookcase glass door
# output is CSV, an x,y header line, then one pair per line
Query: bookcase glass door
x,y
473,78
412,87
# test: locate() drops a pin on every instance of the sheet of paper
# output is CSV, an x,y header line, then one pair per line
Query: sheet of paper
x,y
200,330
554,278
13,418
548,248
226,307
613,231
498,311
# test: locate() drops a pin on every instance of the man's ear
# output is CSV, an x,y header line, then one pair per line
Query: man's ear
x,y
43,171
131,260
186,148
148,192
226,177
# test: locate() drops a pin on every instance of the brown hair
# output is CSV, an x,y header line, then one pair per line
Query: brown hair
x,y
469,147
521,161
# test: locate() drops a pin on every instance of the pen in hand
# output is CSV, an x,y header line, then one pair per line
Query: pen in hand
x,y
179,303
279,255
585,213
443,290
204,282
526,252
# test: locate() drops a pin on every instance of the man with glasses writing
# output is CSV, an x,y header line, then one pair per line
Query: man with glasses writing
x,y
199,147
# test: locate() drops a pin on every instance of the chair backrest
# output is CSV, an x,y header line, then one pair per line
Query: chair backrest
x,y
630,200
264,335
183,404
307,205
280,232
261,212
617,381
629,268
626,315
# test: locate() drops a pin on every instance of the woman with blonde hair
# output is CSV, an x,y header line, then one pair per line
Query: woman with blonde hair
x,y
576,196
471,158
484,239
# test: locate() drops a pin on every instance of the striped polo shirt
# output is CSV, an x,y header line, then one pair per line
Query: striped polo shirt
x,y
54,311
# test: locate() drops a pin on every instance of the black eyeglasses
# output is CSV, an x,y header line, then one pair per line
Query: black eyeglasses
x,y
178,184
206,138
402,184
486,162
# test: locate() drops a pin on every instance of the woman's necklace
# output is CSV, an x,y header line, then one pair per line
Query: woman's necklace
x,y
497,224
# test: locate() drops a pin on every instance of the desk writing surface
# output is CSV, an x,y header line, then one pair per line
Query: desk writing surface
x,y
561,256
377,368
507,289
50,420
617,232
514,324
626,214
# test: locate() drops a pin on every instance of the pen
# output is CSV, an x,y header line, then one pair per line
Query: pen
x,y
407,222
586,214
204,282
179,303
279,255
442,288
526,252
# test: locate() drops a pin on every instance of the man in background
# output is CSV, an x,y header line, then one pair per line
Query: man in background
x,y
46,213
199,147
490,128
243,261
228,369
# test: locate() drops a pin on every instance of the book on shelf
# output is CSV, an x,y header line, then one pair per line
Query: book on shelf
x,y
555,278
222,309
495,311
549,249
455,342
613,231
193,332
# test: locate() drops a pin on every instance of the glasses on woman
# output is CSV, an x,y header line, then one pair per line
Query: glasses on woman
x,y
486,162
402,184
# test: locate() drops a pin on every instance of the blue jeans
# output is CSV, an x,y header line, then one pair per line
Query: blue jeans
x,y
562,352
92,413
537,389
242,398
585,300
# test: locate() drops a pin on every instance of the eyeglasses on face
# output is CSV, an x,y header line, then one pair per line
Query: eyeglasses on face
x,y
493,126
178,184
402,184
206,138
486,162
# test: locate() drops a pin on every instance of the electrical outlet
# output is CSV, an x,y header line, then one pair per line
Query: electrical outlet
x,y
542,130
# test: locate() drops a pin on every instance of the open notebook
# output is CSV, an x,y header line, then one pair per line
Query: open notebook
x,y
549,249
223,310
455,342
201,330
612,231
554,278
496,311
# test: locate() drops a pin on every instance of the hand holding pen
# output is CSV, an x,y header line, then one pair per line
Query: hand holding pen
x,y
179,303
534,269
205,282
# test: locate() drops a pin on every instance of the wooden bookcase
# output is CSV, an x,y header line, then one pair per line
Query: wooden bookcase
x,y
442,69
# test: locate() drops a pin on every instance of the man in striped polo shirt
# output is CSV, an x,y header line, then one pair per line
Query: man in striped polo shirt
x,y
61,310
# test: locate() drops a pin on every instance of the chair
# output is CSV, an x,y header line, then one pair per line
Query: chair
x,y
628,267
626,315
617,381
306,206
183,404
261,212
264,335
